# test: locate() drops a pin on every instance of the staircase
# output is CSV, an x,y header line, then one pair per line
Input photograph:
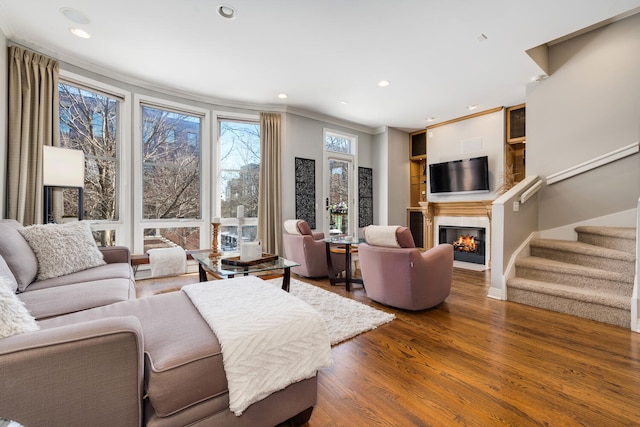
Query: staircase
x,y
591,278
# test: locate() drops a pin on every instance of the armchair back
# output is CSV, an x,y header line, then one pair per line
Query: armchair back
x,y
405,277
308,249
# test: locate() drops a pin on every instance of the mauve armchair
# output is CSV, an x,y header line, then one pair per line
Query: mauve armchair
x,y
397,274
308,249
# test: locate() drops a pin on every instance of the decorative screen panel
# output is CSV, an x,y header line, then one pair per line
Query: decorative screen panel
x,y
306,190
365,197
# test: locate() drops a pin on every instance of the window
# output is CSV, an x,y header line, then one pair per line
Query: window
x,y
171,164
239,178
89,122
337,143
170,179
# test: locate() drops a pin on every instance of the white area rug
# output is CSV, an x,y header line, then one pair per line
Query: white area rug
x,y
344,317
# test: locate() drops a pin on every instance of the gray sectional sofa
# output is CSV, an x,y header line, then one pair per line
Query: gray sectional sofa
x,y
103,357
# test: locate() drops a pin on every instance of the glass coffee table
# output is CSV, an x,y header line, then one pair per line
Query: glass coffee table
x,y
220,270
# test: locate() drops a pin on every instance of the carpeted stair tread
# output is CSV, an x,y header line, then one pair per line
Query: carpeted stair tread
x,y
618,238
570,292
538,263
618,232
582,248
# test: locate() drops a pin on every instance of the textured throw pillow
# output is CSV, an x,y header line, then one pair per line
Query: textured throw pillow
x,y
14,316
63,248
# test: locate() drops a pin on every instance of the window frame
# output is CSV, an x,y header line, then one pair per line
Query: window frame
x,y
352,158
121,225
139,222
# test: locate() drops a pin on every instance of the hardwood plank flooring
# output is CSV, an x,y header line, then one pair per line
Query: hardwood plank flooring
x,y
475,361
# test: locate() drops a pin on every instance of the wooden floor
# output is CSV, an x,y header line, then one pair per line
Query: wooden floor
x,y
475,361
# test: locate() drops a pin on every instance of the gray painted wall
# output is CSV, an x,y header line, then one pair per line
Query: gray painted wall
x,y
303,137
398,177
475,137
380,166
588,107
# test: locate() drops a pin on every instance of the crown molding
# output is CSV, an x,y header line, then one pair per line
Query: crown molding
x,y
330,120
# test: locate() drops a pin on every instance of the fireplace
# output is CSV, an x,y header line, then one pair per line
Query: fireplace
x,y
468,242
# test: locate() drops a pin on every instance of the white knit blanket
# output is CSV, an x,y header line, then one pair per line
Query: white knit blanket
x,y
269,338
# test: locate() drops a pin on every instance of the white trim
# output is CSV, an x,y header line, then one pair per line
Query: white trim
x,y
593,163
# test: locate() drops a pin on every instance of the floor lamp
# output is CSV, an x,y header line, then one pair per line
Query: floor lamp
x,y
62,168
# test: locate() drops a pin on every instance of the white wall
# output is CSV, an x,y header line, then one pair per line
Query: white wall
x,y
589,106
3,123
475,137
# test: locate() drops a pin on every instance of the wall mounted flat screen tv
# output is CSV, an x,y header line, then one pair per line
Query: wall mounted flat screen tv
x,y
460,176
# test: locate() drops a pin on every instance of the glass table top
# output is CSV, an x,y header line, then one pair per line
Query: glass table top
x,y
215,265
344,240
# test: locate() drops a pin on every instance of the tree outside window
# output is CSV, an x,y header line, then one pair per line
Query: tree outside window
x,y
171,175
89,122
239,176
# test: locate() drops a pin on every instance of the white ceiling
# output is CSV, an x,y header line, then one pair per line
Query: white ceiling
x,y
319,53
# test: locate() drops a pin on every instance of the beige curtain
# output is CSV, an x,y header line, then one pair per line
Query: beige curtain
x,y
33,122
270,197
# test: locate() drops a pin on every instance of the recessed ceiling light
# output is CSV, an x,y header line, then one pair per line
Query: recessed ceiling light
x,y
344,102
282,96
384,83
80,33
472,107
75,15
227,12
481,38
431,119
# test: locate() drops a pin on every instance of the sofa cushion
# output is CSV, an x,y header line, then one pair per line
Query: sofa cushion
x,y
183,359
111,271
17,253
60,300
7,274
63,248
14,316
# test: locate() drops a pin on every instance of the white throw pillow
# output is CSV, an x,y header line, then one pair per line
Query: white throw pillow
x,y
14,316
63,248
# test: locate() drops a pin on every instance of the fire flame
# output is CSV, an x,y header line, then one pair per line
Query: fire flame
x,y
466,244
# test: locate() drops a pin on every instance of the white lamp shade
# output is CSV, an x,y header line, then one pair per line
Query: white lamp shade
x,y
63,167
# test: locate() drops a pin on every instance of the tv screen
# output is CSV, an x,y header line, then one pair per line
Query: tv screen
x,y
460,176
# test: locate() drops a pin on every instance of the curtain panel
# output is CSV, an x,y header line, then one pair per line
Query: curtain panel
x,y
33,122
270,197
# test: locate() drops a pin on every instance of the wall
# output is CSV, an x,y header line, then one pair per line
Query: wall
x,y
303,137
3,122
589,106
475,137
381,177
398,177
